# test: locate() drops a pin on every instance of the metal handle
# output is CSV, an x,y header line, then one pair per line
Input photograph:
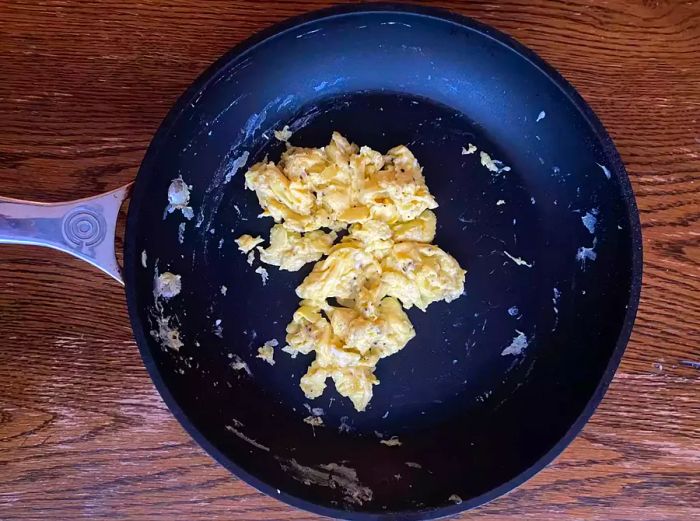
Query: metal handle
x,y
84,228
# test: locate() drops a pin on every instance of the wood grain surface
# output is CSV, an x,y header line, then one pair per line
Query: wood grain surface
x,y
84,85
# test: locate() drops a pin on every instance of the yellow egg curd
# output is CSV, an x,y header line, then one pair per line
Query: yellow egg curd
x,y
351,312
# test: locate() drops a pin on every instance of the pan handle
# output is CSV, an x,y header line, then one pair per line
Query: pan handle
x,y
84,228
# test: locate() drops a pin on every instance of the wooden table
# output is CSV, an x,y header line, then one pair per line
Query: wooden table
x,y
83,86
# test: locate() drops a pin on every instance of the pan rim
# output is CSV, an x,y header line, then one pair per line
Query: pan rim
x,y
131,259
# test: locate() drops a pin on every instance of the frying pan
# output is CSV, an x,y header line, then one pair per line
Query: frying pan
x,y
496,383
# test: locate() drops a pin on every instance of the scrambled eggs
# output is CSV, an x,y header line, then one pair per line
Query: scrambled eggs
x,y
247,242
351,312
267,351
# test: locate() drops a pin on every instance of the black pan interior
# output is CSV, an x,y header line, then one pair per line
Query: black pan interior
x,y
551,248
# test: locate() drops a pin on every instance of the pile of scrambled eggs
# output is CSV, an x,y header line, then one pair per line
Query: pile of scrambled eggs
x,y
351,311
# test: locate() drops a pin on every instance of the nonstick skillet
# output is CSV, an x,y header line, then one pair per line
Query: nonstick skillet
x,y
496,383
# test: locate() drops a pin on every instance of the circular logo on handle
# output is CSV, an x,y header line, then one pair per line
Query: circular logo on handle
x,y
83,228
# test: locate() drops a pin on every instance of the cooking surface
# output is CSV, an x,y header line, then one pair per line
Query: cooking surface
x,y
83,413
